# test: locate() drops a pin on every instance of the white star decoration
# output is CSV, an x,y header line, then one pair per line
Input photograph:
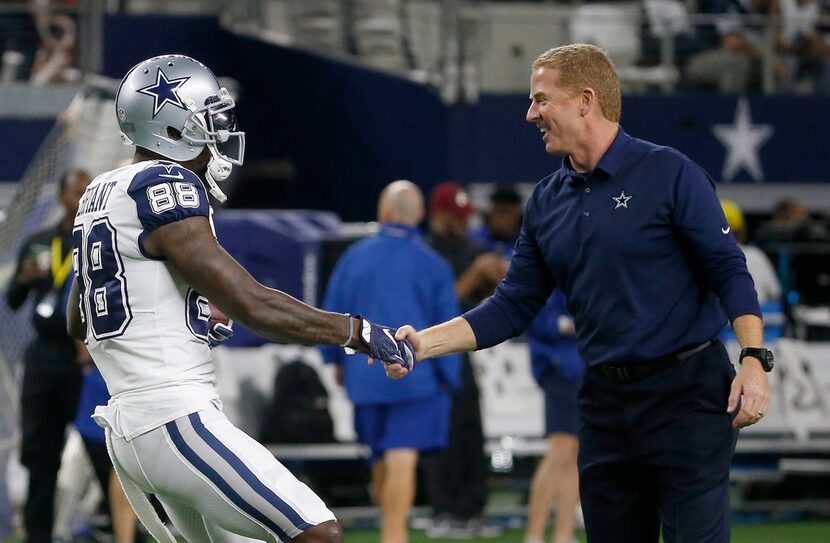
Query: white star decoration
x,y
622,200
743,140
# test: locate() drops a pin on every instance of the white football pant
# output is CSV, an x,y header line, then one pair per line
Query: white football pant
x,y
212,478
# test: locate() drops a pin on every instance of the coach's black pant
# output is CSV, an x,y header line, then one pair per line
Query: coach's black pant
x,y
48,402
656,452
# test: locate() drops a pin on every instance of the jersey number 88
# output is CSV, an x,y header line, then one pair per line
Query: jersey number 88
x,y
101,283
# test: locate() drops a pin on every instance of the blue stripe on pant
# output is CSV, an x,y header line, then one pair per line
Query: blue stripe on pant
x,y
248,478
657,452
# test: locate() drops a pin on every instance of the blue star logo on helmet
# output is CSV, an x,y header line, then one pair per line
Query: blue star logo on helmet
x,y
163,91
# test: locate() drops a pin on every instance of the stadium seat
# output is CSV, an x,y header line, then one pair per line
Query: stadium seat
x,y
318,25
616,28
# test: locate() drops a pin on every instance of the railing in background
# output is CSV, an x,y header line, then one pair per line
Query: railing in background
x,y
49,42
461,48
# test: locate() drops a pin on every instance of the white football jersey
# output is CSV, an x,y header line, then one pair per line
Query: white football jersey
x,y
146,329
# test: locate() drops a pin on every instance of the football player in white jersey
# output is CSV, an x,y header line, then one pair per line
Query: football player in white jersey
x,y
146,264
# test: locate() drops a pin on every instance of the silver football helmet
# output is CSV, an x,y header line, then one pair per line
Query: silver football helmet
x,y
179,93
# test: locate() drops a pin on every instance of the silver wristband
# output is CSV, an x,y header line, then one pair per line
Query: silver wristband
x,y
351,331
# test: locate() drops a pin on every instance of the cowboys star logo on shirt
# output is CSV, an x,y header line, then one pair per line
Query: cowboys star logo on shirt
x,y
622,200
163,91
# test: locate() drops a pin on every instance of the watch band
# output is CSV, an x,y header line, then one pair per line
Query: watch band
x,y
763,354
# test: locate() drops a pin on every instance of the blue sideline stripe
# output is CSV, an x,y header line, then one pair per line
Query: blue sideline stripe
x,y
239,466
223,485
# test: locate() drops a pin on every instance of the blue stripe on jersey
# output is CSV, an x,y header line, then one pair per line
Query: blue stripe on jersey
x,y
239,466
221,483
166,192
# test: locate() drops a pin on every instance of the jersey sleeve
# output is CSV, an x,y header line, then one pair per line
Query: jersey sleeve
x,y
166,192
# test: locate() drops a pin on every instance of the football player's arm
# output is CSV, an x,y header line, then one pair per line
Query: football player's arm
x,y
191,248
74,325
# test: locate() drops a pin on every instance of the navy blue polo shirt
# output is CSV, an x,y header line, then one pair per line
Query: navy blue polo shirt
x,y
639,246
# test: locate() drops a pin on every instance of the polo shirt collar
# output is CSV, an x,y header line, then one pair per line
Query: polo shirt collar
x,y
608,164
399,230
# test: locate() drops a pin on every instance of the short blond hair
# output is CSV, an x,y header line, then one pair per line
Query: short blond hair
x,y
583,65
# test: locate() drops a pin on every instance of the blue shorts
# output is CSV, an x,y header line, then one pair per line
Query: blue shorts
x,y
561,415
421,424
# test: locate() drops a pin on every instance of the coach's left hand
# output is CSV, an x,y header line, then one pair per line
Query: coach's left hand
x,y
753,384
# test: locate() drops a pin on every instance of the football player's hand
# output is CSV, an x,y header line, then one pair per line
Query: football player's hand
x,y
380,343
219,333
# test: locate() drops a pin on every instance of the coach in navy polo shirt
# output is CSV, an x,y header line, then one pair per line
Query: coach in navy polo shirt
x,y
634,235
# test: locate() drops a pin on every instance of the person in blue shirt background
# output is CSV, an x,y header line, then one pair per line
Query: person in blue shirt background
x,y
94,393
634,236
456,477
502,222
558,369
396,422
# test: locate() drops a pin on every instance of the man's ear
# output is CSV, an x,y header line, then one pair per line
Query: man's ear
x,y
588,99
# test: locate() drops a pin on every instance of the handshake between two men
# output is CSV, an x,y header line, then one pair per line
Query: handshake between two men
x,y
400,349
378,342
397,355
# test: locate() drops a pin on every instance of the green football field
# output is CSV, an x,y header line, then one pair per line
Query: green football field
x,y
785,532
776,532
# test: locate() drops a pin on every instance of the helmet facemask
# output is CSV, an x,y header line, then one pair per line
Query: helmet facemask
x,y
214,125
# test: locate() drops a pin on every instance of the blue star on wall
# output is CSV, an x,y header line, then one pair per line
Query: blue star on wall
x,y
164,91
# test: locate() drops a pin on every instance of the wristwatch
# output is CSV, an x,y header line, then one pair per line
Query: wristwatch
x,y
762,354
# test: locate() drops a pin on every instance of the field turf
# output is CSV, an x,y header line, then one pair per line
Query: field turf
x,y
784,532
773,532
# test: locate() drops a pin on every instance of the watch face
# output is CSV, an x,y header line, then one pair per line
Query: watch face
x,y
764,355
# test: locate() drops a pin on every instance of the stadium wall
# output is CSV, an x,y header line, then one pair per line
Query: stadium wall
x,y
325,134
492,142
343,131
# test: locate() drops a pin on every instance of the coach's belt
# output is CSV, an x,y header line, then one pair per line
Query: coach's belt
x,y
641,370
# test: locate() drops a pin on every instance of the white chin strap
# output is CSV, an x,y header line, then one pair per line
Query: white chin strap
x,y
218,170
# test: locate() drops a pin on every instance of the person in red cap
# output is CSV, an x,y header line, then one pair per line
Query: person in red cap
x,y
477,271
456,476
449,195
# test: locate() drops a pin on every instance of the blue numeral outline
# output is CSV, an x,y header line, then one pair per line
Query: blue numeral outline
x,y
85,285
194,296
77,265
